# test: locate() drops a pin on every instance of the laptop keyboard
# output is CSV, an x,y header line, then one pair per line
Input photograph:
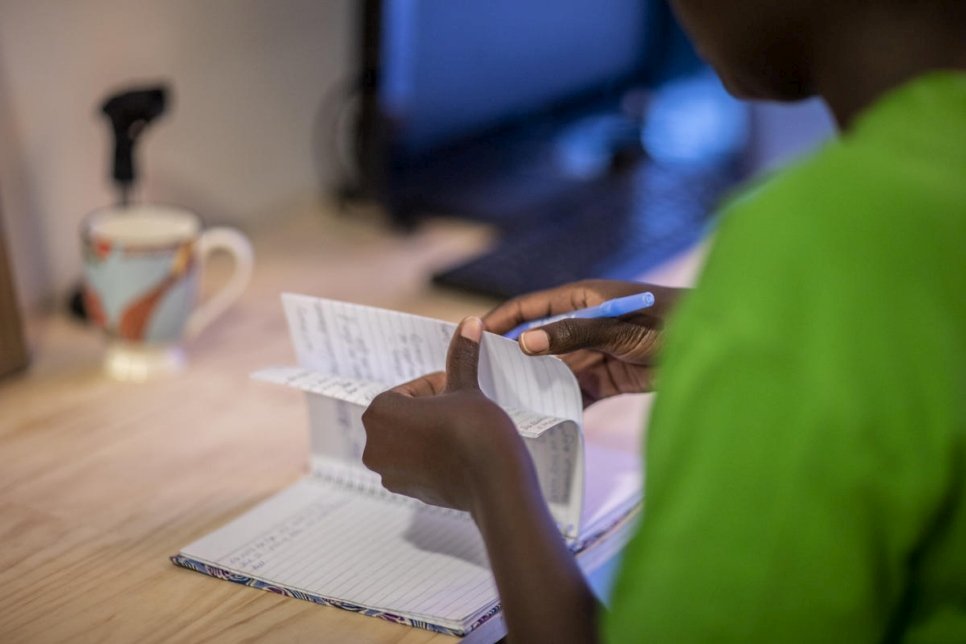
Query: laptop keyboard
x,y
617,228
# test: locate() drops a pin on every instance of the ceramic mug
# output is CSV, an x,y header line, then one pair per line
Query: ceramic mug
x,y
142,269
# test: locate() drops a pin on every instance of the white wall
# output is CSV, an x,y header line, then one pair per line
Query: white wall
x,y
248,76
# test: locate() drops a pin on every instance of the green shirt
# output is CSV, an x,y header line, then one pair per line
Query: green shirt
x,y
806,457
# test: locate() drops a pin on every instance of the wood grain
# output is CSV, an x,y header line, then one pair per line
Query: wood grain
x,y
101,481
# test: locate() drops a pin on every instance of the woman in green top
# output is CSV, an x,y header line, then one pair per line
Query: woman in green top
x,y
806,457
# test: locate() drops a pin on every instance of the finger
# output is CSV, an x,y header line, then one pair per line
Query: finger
x,y
383,407
394,411
613,378
464,355
579,360
428,385
623,340
539,304
385,421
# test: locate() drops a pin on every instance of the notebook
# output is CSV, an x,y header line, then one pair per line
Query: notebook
x,y
337,537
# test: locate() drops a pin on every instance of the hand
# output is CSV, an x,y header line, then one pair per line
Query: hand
x,y
440,439
609,356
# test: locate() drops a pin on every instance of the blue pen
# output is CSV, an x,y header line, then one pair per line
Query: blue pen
x,y
609,309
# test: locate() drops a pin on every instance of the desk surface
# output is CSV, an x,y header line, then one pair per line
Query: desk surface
x,y
100,482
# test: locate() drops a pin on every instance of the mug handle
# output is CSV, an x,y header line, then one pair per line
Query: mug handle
x,y
238,246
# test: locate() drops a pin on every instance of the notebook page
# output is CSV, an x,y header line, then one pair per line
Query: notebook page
x,y
337,438
404,558
614,481
360,393
351,346
375,345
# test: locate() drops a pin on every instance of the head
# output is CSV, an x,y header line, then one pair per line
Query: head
x,y
788,49
760,48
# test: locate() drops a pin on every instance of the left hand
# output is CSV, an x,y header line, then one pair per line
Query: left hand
x,y
440,439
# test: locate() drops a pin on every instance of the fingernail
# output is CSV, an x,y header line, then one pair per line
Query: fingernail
x,y
472,329
535,341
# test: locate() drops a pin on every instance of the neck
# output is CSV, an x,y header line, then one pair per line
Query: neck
x,y
862,57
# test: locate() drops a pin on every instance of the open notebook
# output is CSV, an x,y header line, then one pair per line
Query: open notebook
x,y
338,538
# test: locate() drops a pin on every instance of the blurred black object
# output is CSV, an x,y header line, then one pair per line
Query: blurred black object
x,y
545,119
75,303
616,228
130,112
638,215
457,97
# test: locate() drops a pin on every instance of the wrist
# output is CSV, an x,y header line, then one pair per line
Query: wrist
x,y
502,484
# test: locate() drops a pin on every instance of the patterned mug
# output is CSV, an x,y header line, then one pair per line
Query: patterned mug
x,y
142,267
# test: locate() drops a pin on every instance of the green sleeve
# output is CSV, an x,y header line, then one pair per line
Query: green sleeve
x,y
784,493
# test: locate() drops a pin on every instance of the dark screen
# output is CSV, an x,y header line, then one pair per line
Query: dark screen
x,y
451,68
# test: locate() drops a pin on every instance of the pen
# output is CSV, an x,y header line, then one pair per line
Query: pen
x,y
609,309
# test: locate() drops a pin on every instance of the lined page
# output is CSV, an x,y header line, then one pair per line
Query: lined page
x,y
361,393
403,558
337,437
388,347
345,348
613,486
350,390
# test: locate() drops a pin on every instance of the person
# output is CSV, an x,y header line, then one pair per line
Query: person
x,y
806,454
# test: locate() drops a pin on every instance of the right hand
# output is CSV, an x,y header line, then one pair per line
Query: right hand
x,y
609,356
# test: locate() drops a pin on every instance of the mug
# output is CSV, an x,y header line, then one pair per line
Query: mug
x,y
142,269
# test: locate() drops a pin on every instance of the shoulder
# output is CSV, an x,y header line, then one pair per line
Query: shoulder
x,y
836,288
850,262
859,219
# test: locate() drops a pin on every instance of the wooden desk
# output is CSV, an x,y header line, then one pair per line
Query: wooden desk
x,y
101,481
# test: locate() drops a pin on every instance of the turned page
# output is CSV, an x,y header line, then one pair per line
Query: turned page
x,y
349,353
367,344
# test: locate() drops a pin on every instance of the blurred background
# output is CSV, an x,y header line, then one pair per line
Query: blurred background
x,y
426,156
572,123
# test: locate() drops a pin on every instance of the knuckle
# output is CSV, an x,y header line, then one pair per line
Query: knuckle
x,y
392,485
373,417
627,336
635,341
369,415
380,400
368,459
611,336
513,304
375,408
506,314
591,290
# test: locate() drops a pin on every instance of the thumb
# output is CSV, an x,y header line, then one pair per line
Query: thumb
x,y
464,355
625,341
